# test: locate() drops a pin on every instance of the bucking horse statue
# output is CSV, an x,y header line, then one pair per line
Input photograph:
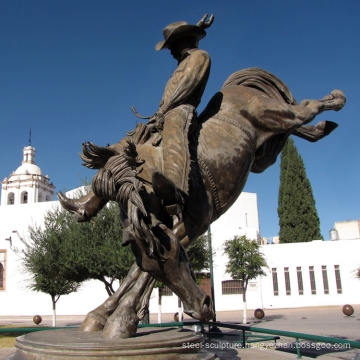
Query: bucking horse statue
x,y
243,129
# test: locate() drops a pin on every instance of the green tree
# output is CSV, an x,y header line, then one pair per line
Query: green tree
x,y
246,263
96,249
199,255
298,217
63,253
43,257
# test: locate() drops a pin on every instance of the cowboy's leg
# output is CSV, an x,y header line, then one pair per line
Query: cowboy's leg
x,y
176,155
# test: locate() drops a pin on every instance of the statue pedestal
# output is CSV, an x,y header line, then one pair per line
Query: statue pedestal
x,y
158,343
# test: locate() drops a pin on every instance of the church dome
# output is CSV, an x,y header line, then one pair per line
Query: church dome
x,y
28,169
28,166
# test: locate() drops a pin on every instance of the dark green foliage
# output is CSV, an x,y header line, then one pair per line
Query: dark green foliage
x,y
245,260
199,254
298,218
96,251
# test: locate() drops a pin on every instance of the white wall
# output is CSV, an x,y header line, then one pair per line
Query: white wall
x,y
17,299
344,253
241,219
348,229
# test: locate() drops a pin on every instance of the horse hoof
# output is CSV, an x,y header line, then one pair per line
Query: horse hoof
x,y
338,94
340,99
121,327
92,322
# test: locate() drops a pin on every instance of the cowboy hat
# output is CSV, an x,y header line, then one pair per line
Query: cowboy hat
x,y
179,30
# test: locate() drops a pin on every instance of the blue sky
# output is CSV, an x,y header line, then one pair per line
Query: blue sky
x,y
70,70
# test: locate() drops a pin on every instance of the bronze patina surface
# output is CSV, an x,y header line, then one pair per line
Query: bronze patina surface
x,y
175,175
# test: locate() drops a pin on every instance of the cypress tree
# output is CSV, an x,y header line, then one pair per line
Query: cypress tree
x,y
298,218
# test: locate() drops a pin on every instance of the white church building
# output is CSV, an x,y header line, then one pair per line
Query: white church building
x,y
315,273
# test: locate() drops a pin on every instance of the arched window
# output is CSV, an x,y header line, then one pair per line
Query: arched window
x,y
41,197
11,199
24,197
48,198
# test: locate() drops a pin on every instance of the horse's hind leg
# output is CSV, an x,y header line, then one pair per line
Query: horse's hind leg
x,y
280,116
335,101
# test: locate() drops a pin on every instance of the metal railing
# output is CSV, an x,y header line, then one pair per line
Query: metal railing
x,y
297,336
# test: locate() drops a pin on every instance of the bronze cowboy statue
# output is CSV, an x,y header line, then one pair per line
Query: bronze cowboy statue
x,y
175,175
174,120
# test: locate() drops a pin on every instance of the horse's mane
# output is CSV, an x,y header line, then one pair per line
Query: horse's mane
x,y
117,180
261,80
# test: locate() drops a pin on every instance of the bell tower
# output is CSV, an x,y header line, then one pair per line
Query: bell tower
x,y
26,185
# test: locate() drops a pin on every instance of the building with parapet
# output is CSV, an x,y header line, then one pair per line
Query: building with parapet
x,y
349,229
315,273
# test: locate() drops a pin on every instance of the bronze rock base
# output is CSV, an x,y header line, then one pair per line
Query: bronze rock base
x,y
164,343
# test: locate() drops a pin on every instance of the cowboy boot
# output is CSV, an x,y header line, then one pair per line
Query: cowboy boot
x,y
84,208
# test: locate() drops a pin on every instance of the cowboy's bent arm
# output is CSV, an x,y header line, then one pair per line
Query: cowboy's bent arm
x,y
188,80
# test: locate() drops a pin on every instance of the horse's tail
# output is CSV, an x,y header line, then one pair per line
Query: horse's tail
x,y
264,81
117,180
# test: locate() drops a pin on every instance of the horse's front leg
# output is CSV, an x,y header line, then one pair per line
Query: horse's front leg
x,y
131,308
97,318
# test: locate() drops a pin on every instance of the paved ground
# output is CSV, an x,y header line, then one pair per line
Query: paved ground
x,y
323,321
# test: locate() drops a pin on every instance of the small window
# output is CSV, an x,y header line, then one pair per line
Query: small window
x,y
40,197
275,281
2,269
338,279
24,197
325,279
287,281
11,199
2,277
312,280
300,280
230,287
